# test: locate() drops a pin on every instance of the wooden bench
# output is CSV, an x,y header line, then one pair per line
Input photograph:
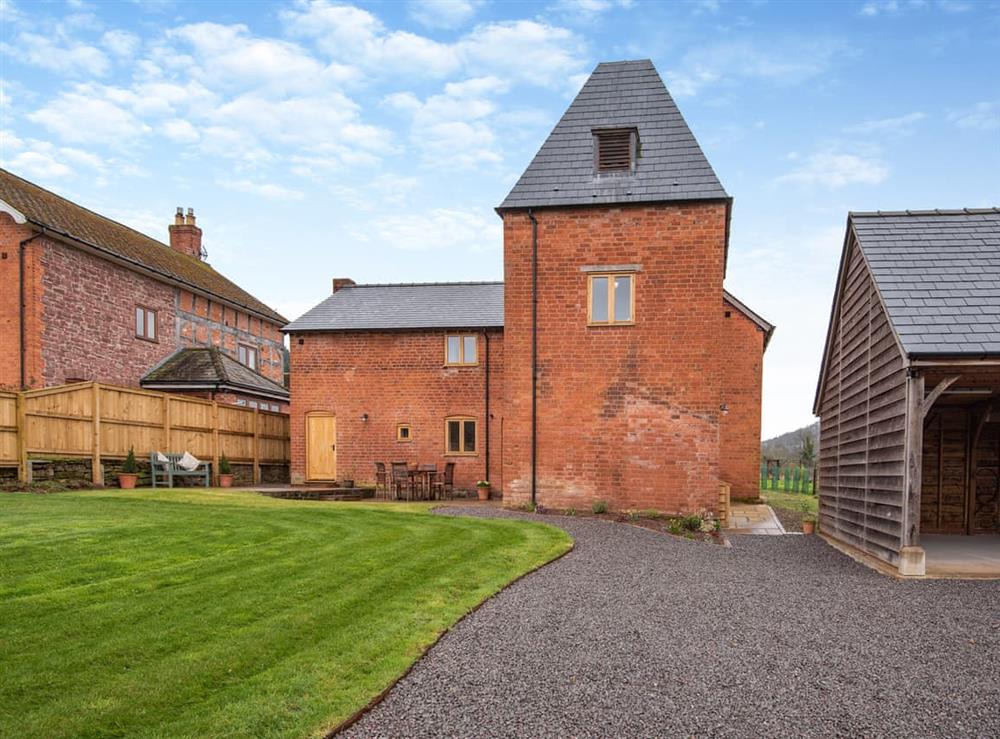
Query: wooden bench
x,y
170,469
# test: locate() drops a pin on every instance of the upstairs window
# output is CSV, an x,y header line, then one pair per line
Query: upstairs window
x,y
610,299
145,323
461,349
404,432
616,151
248,356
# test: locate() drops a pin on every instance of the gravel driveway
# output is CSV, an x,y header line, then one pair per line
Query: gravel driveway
x,y
639,634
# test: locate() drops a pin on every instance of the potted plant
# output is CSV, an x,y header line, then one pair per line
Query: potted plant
x,y
483,488
130,471
809,524
225,472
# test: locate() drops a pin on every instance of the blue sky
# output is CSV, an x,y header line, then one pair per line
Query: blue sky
x,y
372,141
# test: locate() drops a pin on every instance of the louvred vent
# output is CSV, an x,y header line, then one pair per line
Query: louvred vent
x,y
615,150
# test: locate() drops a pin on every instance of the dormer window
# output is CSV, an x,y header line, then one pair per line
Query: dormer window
x,y
616,150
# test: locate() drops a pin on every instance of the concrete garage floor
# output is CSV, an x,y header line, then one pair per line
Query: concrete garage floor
x,y
638,634
962,556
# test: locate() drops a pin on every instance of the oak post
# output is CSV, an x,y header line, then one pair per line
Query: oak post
x,y
914,454
215,443
23,469
256,446
96,473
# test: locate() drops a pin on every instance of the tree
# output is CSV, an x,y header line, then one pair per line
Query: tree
x,y
807,450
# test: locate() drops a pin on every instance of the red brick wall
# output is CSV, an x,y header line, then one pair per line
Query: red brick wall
x,y
80,318
201,322
394,378
88,310
628,414
11,235
743,342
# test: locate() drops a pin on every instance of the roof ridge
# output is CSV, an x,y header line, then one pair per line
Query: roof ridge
x,y
99,215
216,356
419,284
929,212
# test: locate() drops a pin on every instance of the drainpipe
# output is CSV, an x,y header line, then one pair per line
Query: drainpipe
x,y
534,354
486,402
22,247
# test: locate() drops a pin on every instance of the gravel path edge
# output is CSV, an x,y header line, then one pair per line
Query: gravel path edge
x,y
381,696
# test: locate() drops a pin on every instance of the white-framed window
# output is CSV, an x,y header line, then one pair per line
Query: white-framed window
x,y
145,323
248,356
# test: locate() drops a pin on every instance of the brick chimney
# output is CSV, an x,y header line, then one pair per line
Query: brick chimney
x,y
339,283
185,236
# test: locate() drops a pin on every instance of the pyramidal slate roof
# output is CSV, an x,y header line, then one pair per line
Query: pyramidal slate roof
x,y
938,273
630,94
406,306
209,368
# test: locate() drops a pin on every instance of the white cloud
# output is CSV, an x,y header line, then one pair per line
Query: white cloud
x,y
833,170
82,115
120,43
45,161
439,228
443,13
451,128
782,63
984,116
267,190
588,10
527,50
56,54
180,130
898,126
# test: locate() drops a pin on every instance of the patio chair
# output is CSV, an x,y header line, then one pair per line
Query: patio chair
x,y
443,483
401,483
381,480
427,474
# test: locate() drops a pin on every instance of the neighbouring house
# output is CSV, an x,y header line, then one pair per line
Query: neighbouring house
x,y
87,298
610,363
909,451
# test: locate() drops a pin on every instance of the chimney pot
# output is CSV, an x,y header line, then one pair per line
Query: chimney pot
x,y
179,217
190,217
339,283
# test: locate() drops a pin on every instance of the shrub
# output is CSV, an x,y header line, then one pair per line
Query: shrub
x,y
675,527
600,506
571,511
632,515
691,522
651,513
130,466
224,467
529,507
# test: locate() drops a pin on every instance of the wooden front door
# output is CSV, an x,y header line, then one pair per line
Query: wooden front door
x,y
321,447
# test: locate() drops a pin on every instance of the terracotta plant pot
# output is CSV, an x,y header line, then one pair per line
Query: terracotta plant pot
x,y
484,493
808,527
127,480
225,481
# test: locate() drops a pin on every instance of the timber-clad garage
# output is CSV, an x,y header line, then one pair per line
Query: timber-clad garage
x,y
909,393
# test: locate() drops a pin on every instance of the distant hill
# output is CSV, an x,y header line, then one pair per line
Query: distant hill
x,y
786,446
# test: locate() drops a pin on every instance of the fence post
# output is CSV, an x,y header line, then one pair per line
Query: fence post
x,y
256,446
96,473
166,422
23,470
215,443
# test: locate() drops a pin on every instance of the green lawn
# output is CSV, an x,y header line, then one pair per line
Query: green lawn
x,y
189,613
800,502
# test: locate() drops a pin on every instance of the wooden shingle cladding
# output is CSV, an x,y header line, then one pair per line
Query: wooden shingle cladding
x,y
862,409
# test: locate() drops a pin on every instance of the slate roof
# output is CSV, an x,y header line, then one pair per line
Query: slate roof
x,y
48,210
406,306
629,94
938,273
211,369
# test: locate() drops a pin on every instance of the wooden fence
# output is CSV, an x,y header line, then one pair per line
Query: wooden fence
x,y
95,421
792,478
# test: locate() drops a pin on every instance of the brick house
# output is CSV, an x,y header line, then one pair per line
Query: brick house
x,y
86,298
618,367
